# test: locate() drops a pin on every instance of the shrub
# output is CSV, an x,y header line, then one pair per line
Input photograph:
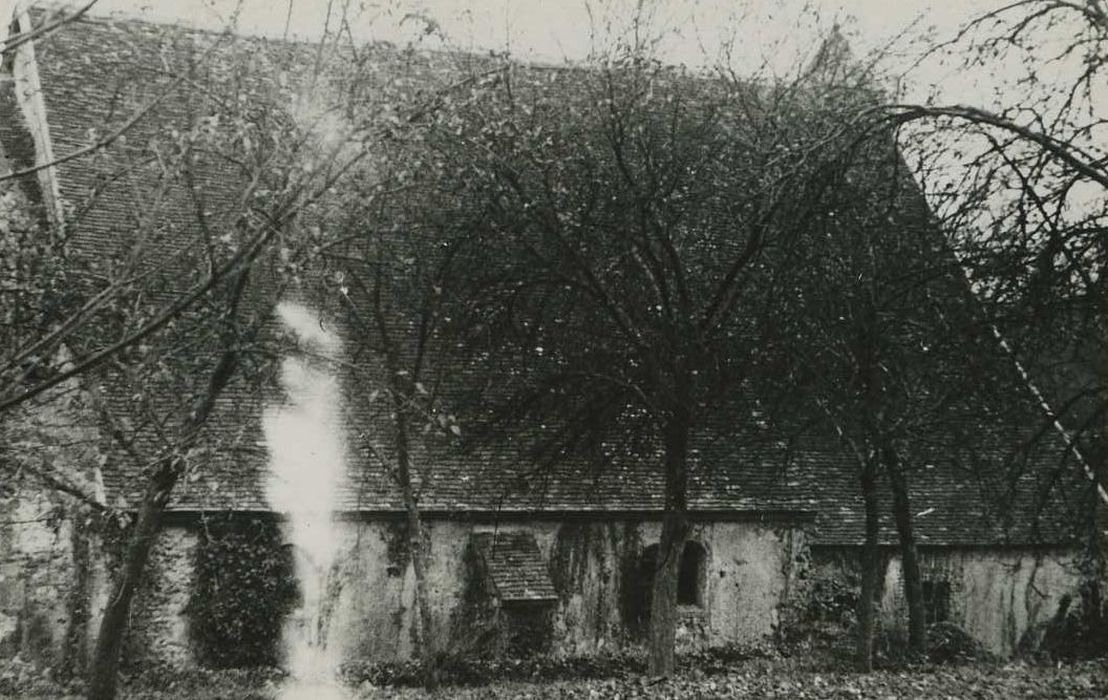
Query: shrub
x,y
452,670
19,678
823,617
461,670
832,600
721,659
949,643
245,587
946,643
159,679
1078,630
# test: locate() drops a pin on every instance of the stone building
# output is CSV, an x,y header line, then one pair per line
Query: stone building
x,y
558,567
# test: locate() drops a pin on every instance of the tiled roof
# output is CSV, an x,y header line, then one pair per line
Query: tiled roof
x,y
93,71
964,499
514,566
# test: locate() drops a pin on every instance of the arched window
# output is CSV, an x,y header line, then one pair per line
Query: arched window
x,y
690,576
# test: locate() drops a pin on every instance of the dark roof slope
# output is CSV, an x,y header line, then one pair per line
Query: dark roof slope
x,y
96,72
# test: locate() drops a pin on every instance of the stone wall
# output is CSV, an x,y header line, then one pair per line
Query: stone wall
x,y
996,595
39,580
754,575
159,615
1000,596
45,548
372,614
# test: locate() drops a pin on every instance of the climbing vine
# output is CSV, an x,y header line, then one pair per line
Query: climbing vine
x,y
245,586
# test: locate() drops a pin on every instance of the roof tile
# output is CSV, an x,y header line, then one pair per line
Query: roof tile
x,y
515,566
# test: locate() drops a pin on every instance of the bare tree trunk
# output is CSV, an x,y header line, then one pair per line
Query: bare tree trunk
x,y
417,544
909,554
663,602
429,649
402,388
1100,536
1099,542
104,671
104,668
1096,614
871,559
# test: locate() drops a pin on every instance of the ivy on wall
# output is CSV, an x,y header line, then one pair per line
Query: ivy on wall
x,y
245,587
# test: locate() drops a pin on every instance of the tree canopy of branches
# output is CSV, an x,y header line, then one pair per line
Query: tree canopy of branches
x,y
388,275
203,195
1021,187
632,221
890,350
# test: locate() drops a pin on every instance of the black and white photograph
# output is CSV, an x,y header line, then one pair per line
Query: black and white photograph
x,y
544,349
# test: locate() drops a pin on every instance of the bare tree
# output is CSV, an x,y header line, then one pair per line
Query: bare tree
x,y
390,274
326,165
392,296
223,171
631,220
1021,187
218,186
886,344
57,336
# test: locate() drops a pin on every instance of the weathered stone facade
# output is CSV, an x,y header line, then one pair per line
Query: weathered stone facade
x,y
47,554
160,628
1001,596
41,565
748,574
755,575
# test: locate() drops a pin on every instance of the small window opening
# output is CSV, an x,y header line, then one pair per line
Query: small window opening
x,y
639,590
690,576
648,564
936,601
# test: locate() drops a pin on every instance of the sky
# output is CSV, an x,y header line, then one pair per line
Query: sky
x,y
774,35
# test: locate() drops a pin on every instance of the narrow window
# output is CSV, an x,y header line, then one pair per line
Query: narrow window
x,y
690,577
936,601
648,565
638,590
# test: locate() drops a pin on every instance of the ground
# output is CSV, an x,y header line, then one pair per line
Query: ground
x,y
1011,681
965,682
774,678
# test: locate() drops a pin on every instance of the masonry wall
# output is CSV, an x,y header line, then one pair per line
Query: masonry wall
x,y
45,550
39,580
159,628
750,570
753,574
1000,596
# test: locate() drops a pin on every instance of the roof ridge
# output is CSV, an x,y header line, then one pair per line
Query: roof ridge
x,y
117,17
39,10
